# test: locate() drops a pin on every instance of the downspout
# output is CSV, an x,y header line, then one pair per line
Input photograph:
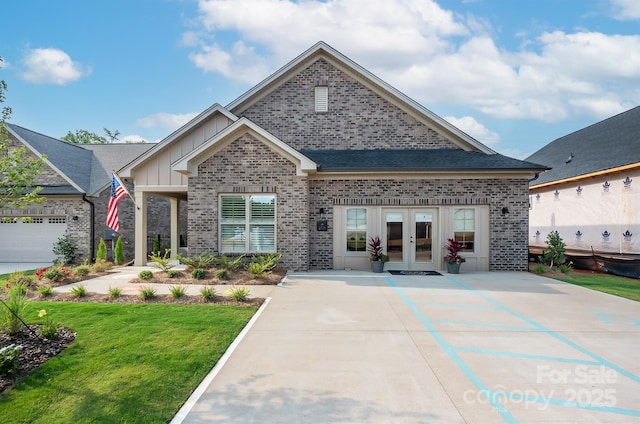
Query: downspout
x,y
535,177
92,213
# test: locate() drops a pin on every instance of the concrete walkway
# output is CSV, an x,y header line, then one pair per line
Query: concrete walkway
x,y
335,347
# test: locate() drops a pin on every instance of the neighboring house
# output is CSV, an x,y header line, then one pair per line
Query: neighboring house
x,y
323,155
76,182
591,196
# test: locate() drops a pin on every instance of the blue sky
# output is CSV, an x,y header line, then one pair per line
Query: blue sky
x,y
514,74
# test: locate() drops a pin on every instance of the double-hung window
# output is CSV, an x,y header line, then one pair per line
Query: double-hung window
x,y
464,228
247,223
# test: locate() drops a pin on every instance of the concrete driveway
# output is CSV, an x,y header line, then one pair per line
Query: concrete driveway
x,y
335,347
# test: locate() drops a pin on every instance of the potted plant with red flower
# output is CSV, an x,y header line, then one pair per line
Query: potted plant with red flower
x,y
453,258
376,254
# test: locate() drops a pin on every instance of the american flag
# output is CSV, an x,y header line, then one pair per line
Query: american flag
x,y
117,193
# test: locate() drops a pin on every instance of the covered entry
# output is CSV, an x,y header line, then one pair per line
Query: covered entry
x,y
408,235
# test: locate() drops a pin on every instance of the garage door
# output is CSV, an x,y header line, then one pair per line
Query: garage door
x,y
30,239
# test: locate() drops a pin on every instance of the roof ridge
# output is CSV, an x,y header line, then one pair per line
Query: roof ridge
x,y
47,136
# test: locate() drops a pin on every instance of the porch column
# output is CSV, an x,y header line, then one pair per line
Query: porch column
x,y
141,229
175,226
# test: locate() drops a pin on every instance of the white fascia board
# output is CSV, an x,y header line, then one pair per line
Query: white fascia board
x,y
188,164
46,161
127,170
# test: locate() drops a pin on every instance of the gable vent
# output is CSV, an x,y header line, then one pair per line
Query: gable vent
x,y
322,98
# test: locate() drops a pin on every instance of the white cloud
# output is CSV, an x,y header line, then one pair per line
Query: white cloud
x,y
432,54
51,66
166,121
626,9
133,138
475,129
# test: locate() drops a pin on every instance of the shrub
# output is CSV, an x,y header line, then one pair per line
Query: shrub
x,y
56,273
554,253
45,291
539,269
19,278
239,294
8,359
101,265
156,246
230,264
115,292
221,274
49,328
118,252
566,268
203,261
79,291
264,263
82,270
12,320
145,274
199,274
163,262
172,273
101,254
147,293
208,293
177,291
65,249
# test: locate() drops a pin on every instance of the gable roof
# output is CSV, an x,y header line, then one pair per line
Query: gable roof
x,y
601,147
425,160
323,50
86,167
188,164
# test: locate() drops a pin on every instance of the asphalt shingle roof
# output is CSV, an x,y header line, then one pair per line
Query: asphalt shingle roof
x,y
604,145
415,160
88,165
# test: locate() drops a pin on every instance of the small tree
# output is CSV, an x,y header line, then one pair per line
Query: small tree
x,y
119,252
554,254
65,249
156,246
89,137
102,250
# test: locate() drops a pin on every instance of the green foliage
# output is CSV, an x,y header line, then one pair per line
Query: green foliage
x,y
199,274
49,328
554,254
239,294
177,291
221,274
79,291
208,293
8,359
119,252
19,169
57,273
145,274
19,277
172,273
164,262
45,291
539,269
264,263
65,249
156,246
89,137
115,292
101,254
82,270
230,264
566,268
12,319
101,265
147,293
203,260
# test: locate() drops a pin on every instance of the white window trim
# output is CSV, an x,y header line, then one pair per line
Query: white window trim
x,y
247,223
475,225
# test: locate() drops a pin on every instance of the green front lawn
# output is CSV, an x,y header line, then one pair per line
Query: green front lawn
x,y
130,363
607,283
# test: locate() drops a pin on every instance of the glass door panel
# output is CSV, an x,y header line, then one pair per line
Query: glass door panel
x,y
423,227
395,232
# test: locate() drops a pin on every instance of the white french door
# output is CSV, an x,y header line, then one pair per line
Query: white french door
x,y
408,235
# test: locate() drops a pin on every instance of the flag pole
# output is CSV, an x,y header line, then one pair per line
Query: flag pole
x,y
125,189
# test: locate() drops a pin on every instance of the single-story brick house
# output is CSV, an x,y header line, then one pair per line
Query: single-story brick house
x,y
323,155
591,196
76,182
